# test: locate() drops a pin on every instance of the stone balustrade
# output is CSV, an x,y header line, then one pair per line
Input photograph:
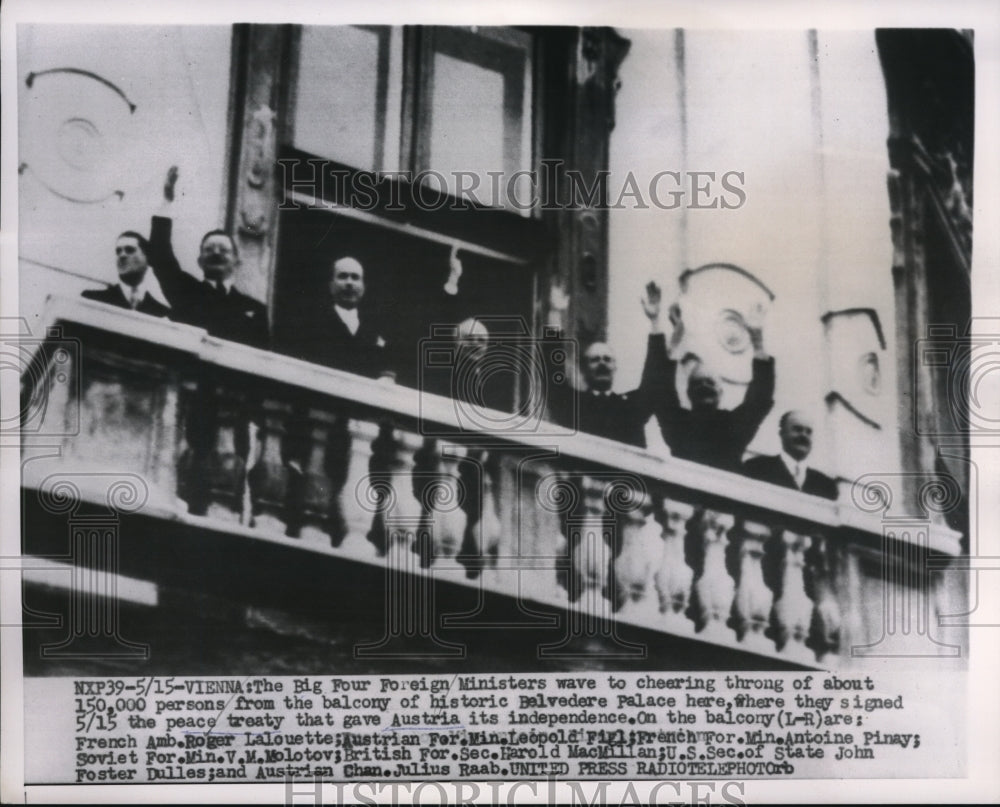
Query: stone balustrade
x,y
333,463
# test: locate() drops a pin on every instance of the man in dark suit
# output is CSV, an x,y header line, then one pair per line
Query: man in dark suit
x,y
705,433
343,336
132,289
789,469
214,303
597,409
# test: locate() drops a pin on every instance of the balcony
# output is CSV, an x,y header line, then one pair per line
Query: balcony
x,y
284,496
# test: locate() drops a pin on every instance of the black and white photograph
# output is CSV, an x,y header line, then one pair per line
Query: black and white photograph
x,y
597,404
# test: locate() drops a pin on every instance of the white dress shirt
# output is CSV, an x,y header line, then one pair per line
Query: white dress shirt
x,y
796,468
349,316
225,286
136,294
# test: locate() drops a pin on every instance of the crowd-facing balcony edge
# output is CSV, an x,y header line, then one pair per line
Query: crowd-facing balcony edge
x,y
608,532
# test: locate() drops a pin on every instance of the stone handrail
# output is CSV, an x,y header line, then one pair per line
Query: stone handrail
x,y
282,450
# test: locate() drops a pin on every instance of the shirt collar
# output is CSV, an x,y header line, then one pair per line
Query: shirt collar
x,y
791,463
141,289
227,284
349,316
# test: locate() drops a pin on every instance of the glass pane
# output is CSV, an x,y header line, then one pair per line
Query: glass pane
x,y
467,126
479,119
341,99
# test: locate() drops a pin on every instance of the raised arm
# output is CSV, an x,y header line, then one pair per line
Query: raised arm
x,y
759,398
175,282
451,305
659,372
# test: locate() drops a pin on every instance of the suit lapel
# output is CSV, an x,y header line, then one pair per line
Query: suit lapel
x,y
341,332
118,297
811,481
784,473
366,335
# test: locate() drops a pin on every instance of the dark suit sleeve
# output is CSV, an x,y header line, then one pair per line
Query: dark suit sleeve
x,y
659,373
758,401
756,468
260,334
659,382
654,387
827,487
177,285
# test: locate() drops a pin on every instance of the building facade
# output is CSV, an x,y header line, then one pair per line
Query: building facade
x,y
568,167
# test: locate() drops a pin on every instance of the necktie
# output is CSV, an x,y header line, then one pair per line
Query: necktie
x,y
800,475
134,299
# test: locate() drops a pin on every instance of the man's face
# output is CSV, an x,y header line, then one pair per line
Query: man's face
x,y
703,390
131,260
347,284
217,258
599,367
796,435
473,340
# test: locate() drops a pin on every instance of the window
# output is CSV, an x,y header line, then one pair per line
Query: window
x,y
373,101
475,116
460,116
347,99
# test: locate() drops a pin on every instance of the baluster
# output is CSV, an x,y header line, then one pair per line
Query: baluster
x,y
712,594
590,539
674,576
443,498
268,479
591,535
825,630
488,532
791,616
314,502
225,466
410,621
357,502
546,499
481,539
190,489
490,477
399,513
165,455
641,545
753,599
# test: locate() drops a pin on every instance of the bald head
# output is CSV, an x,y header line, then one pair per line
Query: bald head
x,y
795,430
473,338
472,329
599,366
347,282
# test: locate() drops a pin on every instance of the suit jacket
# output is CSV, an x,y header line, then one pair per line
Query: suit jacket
x,y
113,295
328,341
717,437
234,315
617,417
772,469
482,381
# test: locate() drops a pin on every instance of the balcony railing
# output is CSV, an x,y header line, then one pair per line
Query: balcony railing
x,y
228,438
